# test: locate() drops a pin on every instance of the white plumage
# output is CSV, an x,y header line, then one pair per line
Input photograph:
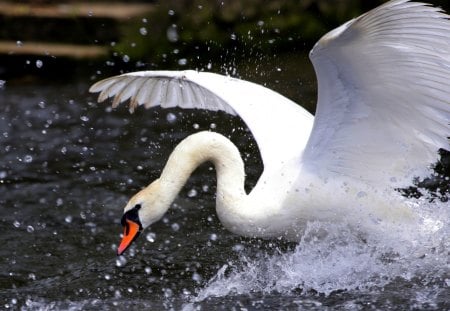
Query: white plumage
x,y
383,113
384,95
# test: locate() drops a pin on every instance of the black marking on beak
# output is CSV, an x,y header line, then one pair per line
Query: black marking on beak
x,y
132,215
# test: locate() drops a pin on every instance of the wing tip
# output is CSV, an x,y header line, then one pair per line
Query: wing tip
x,y
102,87
95,88
120,88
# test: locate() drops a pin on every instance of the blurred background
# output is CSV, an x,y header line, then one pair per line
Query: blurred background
x,y
45,37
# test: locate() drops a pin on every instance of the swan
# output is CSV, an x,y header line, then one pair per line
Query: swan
x,y
383,113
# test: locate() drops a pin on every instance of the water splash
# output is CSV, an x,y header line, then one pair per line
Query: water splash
x,y
332,257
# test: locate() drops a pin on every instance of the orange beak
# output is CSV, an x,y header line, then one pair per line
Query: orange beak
x,y
130,233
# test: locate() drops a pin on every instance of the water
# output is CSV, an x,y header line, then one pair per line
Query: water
x,y
68,166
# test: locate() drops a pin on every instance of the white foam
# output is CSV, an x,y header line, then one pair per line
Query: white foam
x,y
332,257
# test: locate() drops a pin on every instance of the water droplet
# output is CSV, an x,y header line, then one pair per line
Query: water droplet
x,y
212,126
175,226
238,248
126,58
182,61
107,277
30,229
167,292
196,277
27,158
151,237
39,63
117,294
121,261
196,126
68,219
205,188
171,12
19,43
16,224
171,117
59,202
143,31
192,193
148,270
84,118
2,83
63,150
172,33
233,36
213,237
32,276
3,174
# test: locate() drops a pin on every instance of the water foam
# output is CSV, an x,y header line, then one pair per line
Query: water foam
x,y
332,257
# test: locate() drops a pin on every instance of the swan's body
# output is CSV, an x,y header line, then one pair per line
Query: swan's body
x,y
383,113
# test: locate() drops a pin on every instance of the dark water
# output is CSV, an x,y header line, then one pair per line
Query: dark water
x,y
68,167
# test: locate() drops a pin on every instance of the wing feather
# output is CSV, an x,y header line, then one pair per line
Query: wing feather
x,y
384,95
274,120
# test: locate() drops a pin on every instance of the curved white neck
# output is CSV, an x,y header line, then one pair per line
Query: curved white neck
x,y
203,147
254,215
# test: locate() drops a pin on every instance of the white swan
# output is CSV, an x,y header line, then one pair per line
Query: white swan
x,y
383,113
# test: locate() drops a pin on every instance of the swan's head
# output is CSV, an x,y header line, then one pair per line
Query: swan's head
x,y
144,208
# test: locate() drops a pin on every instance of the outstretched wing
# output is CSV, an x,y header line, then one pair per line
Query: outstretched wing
x,y
384,95
280,127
